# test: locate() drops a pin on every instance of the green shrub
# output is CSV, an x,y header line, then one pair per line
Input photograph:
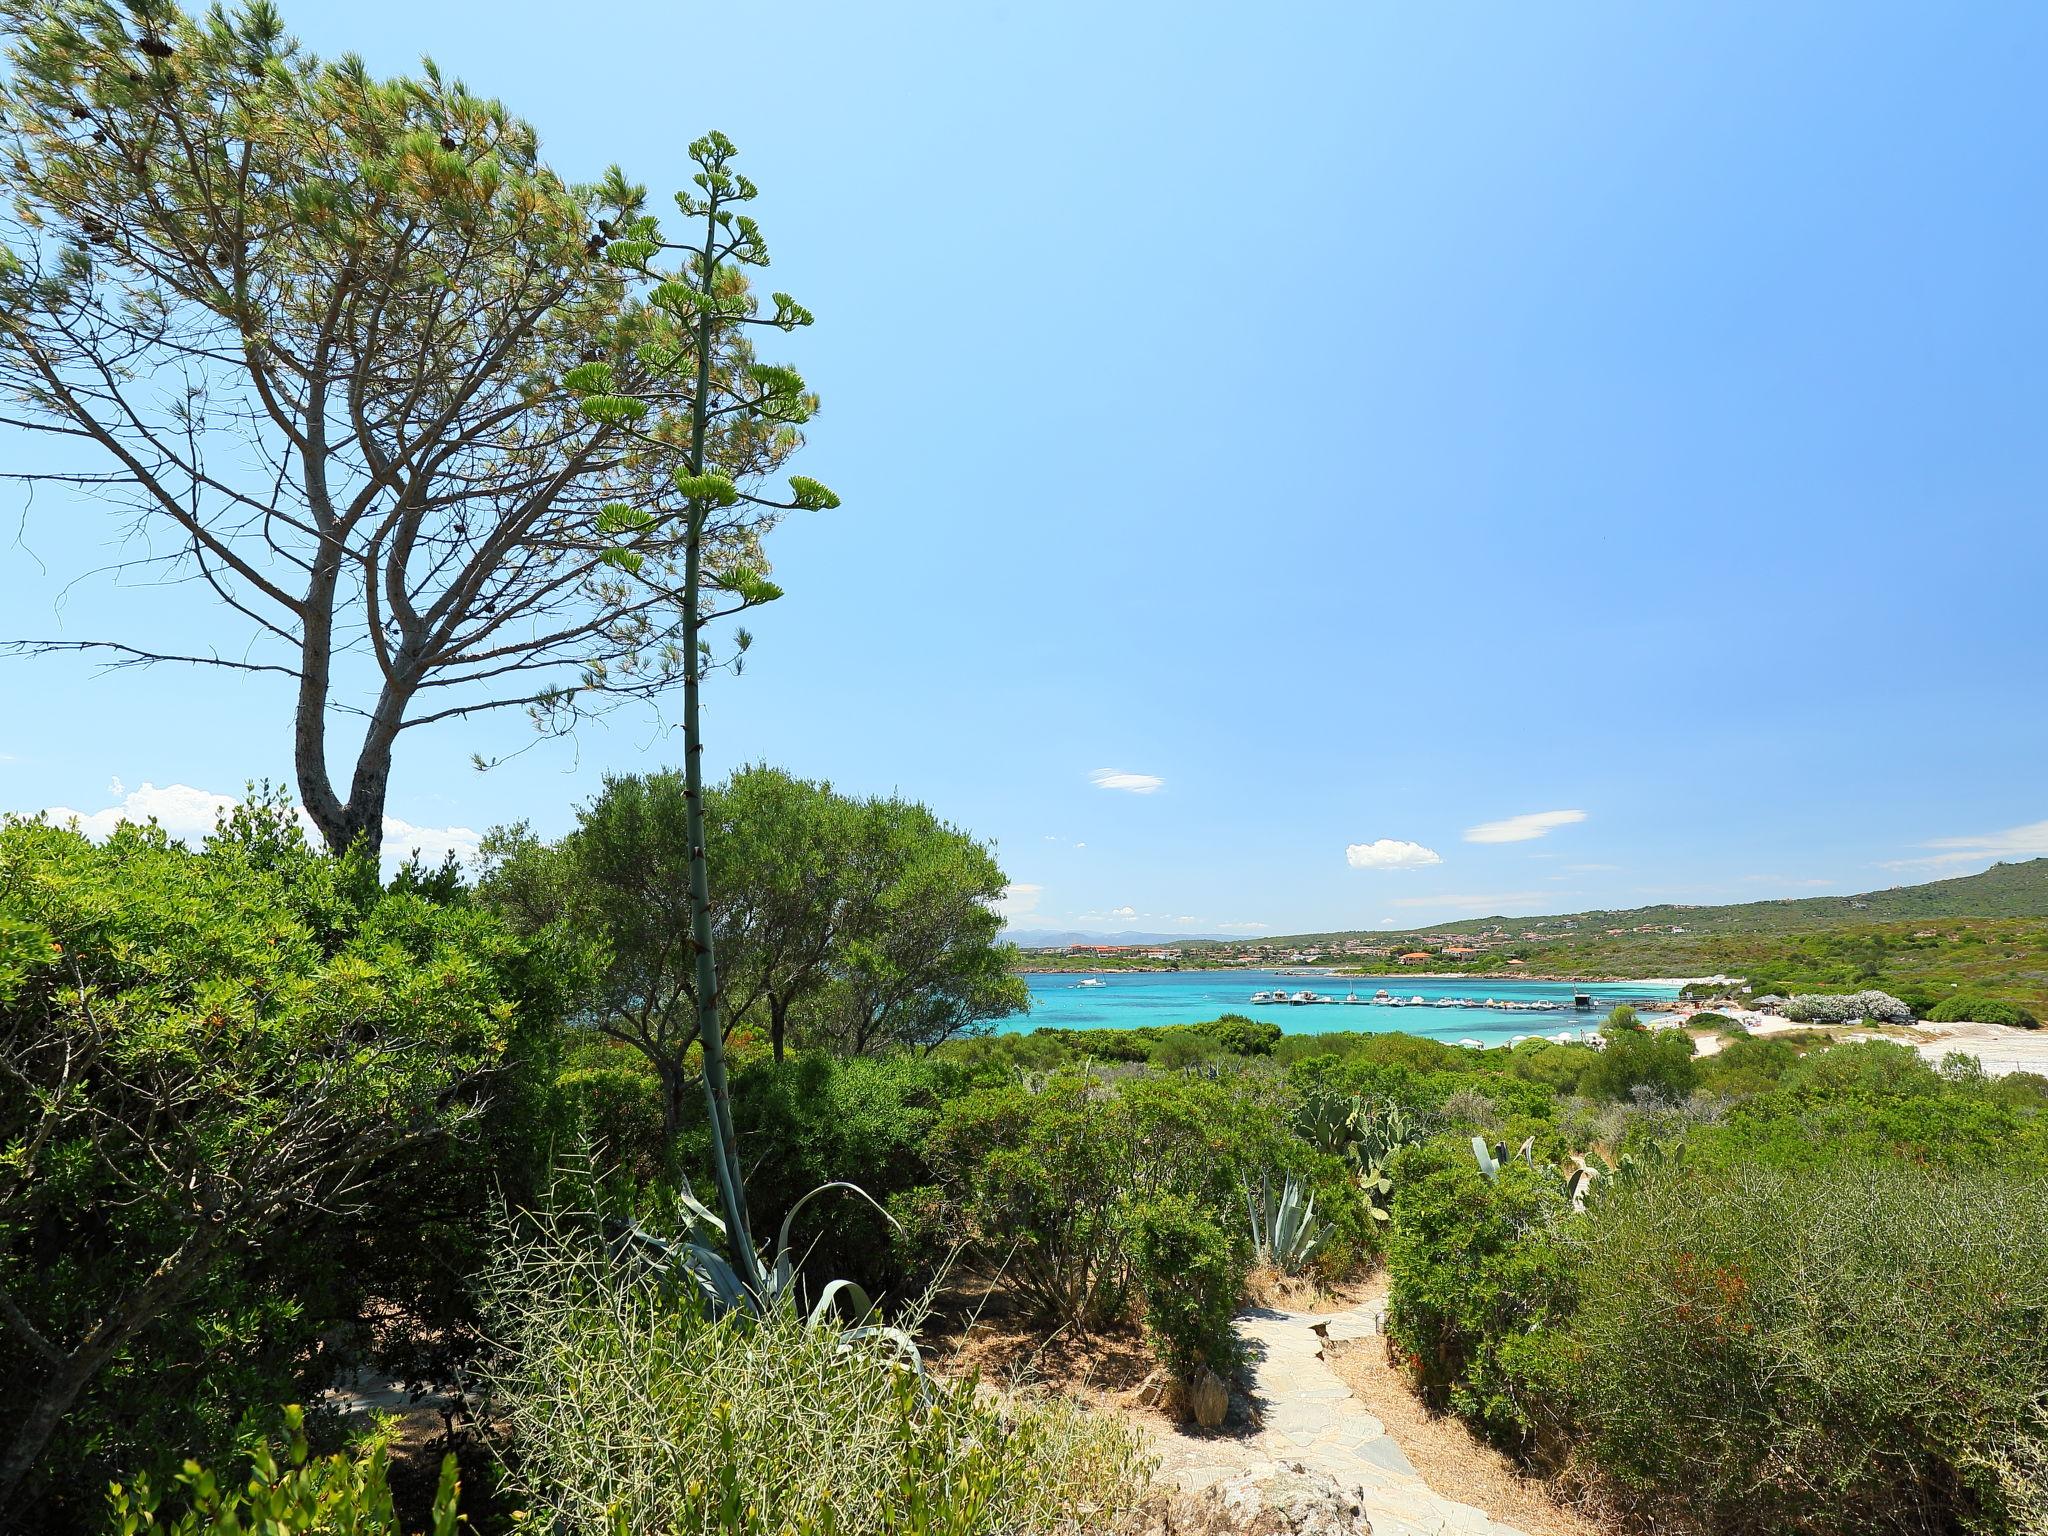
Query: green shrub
x,y
814,1118
1864,1350
1474,1269
622,1408
253,1106
1973,1009
1039,1179
1746,1065
1658,1061
1166,1045
1189,1273
1720,1022
616,1107
293,1494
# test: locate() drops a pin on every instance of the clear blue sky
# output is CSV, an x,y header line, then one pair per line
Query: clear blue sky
x,y
1370,421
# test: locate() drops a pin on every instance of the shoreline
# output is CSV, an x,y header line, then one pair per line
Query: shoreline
x,y
1307,970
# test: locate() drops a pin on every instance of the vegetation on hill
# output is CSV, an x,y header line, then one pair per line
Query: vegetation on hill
x,y
2003,890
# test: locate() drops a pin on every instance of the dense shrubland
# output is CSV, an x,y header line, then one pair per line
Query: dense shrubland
x,y
1821,1308
1784,1211
253,1106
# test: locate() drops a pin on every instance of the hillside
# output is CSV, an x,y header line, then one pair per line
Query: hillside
x,y
2004,890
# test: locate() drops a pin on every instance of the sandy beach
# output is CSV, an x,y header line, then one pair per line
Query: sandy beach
x,y
1999,1048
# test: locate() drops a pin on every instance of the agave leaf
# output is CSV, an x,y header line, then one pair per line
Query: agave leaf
x,y
782,1238
857,1301
700,1213
905,1346
1485,1158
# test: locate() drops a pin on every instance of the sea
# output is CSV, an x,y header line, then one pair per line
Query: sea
x,y
1130,999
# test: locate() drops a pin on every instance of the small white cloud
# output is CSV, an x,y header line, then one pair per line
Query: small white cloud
x,y
1390,853
1591,869
1080,845
1129,783
1520,829
1123,911
1242,927
1019,899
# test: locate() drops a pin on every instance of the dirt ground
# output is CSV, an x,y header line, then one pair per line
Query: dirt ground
x,y
1110,1370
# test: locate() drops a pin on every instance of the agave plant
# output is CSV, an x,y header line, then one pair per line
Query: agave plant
x,y
697,1258
1489,1159
1285,1231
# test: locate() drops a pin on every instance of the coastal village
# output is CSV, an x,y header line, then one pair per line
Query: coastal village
x,y
1406,949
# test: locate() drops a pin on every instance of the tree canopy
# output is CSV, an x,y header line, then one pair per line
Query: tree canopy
x,y
351,358
843,921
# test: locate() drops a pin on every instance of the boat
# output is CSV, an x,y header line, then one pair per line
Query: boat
x,y
1300,998
1353,997
1269,997
1092,981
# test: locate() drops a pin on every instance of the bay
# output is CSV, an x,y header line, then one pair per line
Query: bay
x,y
1133,999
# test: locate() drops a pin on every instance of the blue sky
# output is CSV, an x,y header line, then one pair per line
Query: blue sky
x,y
1368,422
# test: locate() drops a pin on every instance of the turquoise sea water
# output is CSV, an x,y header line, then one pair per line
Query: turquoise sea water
x,y
1128,1000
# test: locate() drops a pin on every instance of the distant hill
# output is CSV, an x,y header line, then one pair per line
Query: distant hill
x,y
2003,890
1034,938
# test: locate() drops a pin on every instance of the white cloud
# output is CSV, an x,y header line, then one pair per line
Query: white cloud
x,y
1390,853
1130,783
1019,899
1520,829
1123,911
1500,901
2028,842
1241,927
403,838
189,814
186,813
1590,869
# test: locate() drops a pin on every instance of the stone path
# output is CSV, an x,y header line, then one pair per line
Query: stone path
x,y
1306,1415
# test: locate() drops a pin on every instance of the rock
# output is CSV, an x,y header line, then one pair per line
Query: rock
x,y
1285,1499
1154,1391
1209,1399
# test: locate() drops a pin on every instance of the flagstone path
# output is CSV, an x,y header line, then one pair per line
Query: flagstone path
x,y
1305,1415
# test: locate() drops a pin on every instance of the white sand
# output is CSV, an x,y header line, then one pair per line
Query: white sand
x,y
1998,1047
